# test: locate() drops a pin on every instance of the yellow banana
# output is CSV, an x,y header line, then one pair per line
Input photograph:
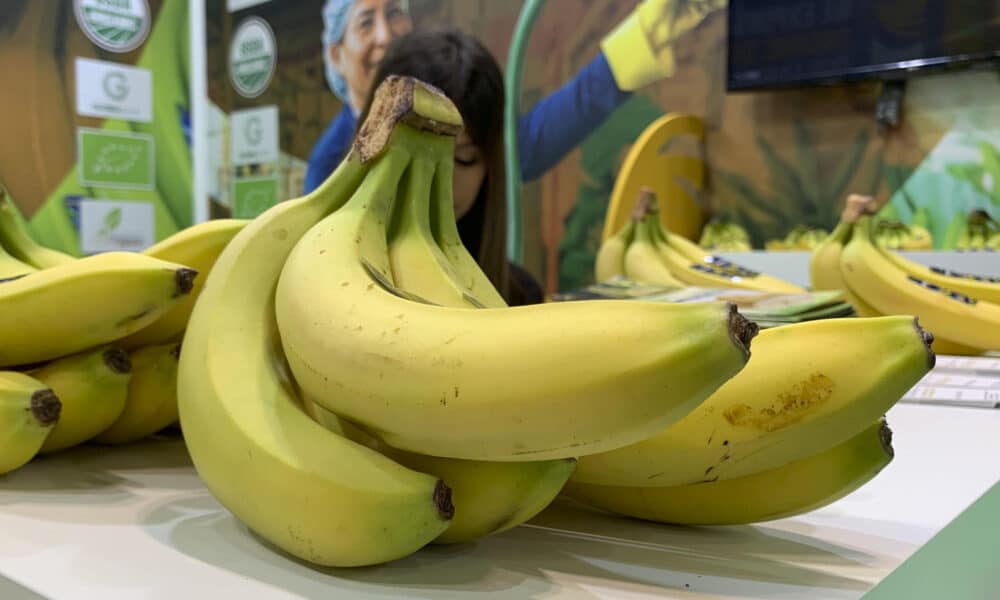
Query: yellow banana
x,y
327,499
979,287
448,381
610,261
824,268
807,387
642,261
28,411
92,386
798,487
15,237
11,268
197,247
692,265
890,290
151,400
85,303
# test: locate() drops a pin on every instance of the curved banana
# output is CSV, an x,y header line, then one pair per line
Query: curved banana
x,y
28,411
11,267
15,238
642,261
151,399
798,487
610,260
327,499
807,387
85,303
979,287
479,384
489,497
197,247
692,265
889,290
824,268
92,387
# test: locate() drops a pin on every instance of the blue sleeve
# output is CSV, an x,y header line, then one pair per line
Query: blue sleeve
x,y
329,150
561,121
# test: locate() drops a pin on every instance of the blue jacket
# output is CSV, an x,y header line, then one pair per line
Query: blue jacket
x,y
556,125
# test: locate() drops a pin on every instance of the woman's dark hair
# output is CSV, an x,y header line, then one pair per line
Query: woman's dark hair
x,y
461,67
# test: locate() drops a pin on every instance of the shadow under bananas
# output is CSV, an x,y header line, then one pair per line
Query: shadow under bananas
x,y
568,547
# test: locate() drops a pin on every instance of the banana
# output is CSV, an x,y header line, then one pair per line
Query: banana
x,y
92,386
85,303
197,247
28,412
151,399
693,266
824,261
610,261
481,383
798,487
888,289
807,387
489,497
11,268
979,287
15,237
642,261
327,499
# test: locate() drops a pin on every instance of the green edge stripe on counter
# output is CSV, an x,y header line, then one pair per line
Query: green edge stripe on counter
x,y
961,561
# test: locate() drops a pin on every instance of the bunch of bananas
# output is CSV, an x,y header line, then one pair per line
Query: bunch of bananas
x,y
89,347
801,237
724,236
352,387
977,231
963,310
896,235
644,250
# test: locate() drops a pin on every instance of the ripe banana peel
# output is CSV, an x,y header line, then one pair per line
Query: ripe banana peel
x,y
798,487
807,387
151,396
29,410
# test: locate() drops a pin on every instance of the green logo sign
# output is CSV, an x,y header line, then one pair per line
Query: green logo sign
x,y
114,25
116,159
254,195
252,57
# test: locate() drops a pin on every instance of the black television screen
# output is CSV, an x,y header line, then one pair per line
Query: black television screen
x,y
775,43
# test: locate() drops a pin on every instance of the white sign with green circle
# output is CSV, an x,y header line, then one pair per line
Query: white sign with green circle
x,y
114,25
252,57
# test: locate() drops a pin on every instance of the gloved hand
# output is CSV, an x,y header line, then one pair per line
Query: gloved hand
x,y
640,50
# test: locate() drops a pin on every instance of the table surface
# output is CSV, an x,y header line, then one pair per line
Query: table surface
x,y
136,522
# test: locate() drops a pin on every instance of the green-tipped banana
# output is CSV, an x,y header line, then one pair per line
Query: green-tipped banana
x,y
443,381
85,303
325,498
824,261
151,401
197,247
642,259
807,387
29,410
798,487
92,386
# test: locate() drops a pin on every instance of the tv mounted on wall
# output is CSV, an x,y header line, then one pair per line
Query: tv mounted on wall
x,y
780,43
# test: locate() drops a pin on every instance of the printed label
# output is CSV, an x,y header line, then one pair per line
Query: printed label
x,y
116,159
252,57
253,136
254,195
114,25
109,225
112,90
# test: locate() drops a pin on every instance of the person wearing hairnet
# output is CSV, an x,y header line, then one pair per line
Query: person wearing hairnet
x,y
639,51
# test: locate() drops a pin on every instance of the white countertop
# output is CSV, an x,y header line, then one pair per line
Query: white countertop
x,y
135,522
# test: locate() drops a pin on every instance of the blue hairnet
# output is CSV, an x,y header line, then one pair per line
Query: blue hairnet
x,y
335,14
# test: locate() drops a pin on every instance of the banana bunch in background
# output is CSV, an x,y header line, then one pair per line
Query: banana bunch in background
x,y
962,310
352,386
801,237
89,346
724,236
644,250
896,235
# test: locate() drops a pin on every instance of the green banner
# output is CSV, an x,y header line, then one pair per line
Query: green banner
x,y
116,159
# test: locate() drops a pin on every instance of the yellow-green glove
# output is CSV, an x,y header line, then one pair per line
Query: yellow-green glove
x,y
640,50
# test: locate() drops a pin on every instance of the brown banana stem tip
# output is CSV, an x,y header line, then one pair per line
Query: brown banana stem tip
x,y
45,407
117,360
406,100
442,500
741,330
184,278
928,339
644,204
856,206
885,436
